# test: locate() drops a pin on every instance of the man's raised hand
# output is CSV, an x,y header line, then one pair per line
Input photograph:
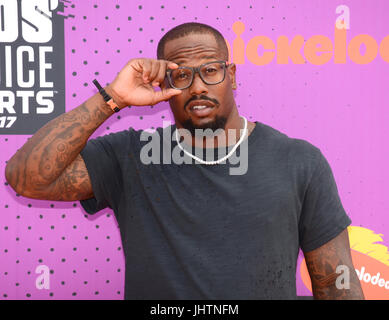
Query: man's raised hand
x,y
134,84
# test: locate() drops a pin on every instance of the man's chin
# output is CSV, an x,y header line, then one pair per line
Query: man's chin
x,y
218,122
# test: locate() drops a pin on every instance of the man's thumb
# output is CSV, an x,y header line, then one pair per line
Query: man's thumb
x,y
166,94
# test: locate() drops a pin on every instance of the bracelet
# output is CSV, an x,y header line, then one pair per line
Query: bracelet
x,y
107,98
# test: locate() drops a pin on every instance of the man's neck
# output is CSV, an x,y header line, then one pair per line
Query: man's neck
x,y
228,136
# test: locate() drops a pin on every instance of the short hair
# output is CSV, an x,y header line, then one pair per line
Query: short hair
x,y
192,28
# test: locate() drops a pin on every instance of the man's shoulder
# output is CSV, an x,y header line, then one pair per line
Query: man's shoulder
x,y
131,139
119,136
115,142
297,149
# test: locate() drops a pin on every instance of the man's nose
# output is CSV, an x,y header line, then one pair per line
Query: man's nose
x,y
198,86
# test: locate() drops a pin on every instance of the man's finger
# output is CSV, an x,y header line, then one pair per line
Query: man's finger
x,y
166,94
161,74
146,70
163,84
172,65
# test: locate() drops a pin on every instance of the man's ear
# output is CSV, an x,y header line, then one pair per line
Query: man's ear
x,y
232,71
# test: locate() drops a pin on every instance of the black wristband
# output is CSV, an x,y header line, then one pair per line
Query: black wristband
x,y
106,96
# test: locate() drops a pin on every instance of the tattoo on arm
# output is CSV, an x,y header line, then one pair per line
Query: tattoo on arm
x,y
322,264
73,184
46,156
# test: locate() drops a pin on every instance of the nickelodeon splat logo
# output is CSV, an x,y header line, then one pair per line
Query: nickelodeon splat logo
x,y
371,262
317,50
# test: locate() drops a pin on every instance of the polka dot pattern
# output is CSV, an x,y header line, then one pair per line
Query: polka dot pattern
x,y
83,254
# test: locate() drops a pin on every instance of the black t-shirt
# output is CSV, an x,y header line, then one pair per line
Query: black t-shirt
x,y
194,231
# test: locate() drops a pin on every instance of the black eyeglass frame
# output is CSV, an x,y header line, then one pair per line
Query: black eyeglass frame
x,y
197,70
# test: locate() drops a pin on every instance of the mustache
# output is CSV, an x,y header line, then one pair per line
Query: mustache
x,y
194,98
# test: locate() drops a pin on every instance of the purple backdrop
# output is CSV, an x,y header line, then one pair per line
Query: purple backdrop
x,y
340,108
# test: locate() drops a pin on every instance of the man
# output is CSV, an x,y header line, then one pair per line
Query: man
x,y
193,231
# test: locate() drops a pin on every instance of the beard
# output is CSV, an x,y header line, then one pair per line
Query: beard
x,y
218,123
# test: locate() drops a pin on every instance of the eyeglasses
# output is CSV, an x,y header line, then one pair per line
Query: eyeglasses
x,y
211,73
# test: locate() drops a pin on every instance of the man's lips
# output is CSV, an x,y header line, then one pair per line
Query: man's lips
x,y
206,103
200,108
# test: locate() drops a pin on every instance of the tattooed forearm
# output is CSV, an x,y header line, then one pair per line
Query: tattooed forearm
x,y
322,265
45,156
60,150
72,184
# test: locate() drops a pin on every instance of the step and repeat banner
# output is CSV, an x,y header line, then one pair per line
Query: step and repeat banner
x,y
314,70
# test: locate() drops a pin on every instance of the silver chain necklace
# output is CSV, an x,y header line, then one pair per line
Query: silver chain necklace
x,y
222,159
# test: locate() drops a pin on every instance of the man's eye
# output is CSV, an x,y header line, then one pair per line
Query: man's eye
x,y
210,70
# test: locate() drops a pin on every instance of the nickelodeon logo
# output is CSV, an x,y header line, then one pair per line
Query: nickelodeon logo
x,y
371,262
318,49
374,280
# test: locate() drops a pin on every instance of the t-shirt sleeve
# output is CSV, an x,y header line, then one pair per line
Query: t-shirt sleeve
x,y
323,216
101,157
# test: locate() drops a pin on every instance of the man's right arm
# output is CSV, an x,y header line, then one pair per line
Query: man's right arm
x,y
49,165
